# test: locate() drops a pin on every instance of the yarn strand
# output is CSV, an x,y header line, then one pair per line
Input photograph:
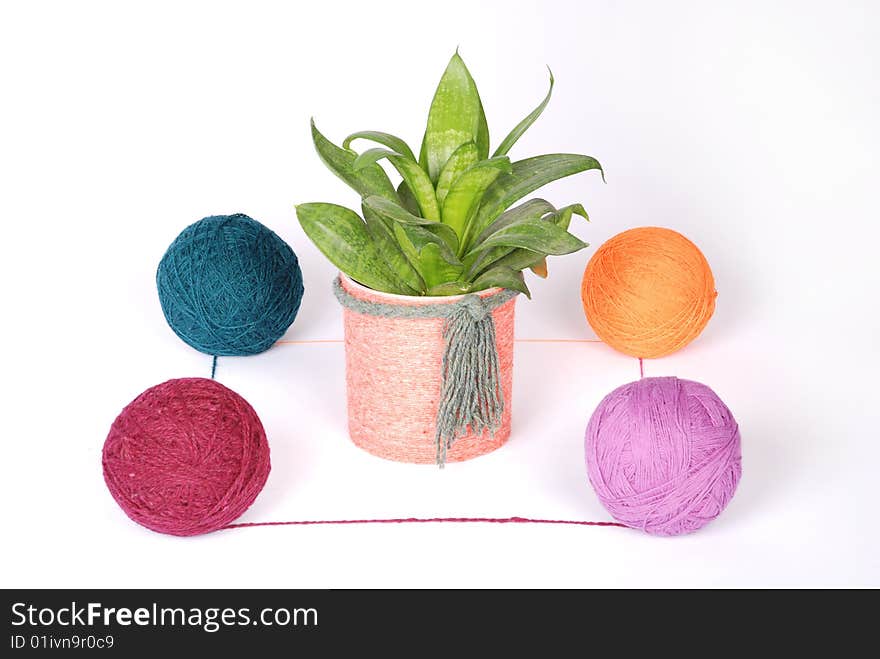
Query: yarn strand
x,y
426,520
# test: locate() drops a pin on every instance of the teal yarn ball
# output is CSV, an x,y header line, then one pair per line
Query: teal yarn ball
x,y
229,286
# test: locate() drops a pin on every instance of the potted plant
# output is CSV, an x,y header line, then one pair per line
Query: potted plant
x,y
431,270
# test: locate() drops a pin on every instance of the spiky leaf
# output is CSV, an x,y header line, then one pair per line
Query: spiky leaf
x,y
532,209
515,258
524,125
503,278
450,288
385,139
562,217
428,254
383,235
396,213
415,237
416,180
456,117
463,200
407,199
368,181
462,158
436,267
535,235
520,258
343,238
526,177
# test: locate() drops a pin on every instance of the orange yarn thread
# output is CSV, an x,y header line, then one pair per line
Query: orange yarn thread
x,y
648,292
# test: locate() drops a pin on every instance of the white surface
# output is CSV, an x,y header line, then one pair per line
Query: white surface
x,y
750,127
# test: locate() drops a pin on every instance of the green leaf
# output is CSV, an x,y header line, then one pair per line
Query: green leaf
x,y
413,238
406,197
450,288
535,235
383,235
519,258
463,199
501,277
370,157
524,125
436,267
456,117
428,254
368,181
515,259
462,158
527,176
343,238
562,217
417,181
396,213
532,209
394,143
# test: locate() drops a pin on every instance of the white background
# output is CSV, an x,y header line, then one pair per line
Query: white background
x,y
749,126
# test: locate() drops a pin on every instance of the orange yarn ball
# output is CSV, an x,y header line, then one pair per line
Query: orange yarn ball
x,y
648,292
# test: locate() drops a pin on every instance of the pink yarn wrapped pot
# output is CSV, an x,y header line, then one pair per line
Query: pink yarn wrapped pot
x,y
393,378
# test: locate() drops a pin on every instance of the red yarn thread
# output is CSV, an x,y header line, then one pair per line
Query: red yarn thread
x,y
426,520
189,456
186,457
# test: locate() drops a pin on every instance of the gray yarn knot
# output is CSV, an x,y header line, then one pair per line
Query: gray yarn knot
x,y
471,396
473,304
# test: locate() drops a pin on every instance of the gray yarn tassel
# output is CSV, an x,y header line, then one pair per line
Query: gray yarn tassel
x,y
470,396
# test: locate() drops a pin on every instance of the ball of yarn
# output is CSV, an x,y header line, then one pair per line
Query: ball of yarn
x,y
186,457
663,455
648,292
229,286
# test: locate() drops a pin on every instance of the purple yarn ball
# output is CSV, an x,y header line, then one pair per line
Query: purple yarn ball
x,y
663,455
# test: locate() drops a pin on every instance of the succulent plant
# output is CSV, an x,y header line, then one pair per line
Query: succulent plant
x,y
448,227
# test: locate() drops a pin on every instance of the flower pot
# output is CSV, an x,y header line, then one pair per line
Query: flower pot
x,y
394,374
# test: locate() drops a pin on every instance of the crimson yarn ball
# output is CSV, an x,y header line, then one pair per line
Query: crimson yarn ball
x,y
186,457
